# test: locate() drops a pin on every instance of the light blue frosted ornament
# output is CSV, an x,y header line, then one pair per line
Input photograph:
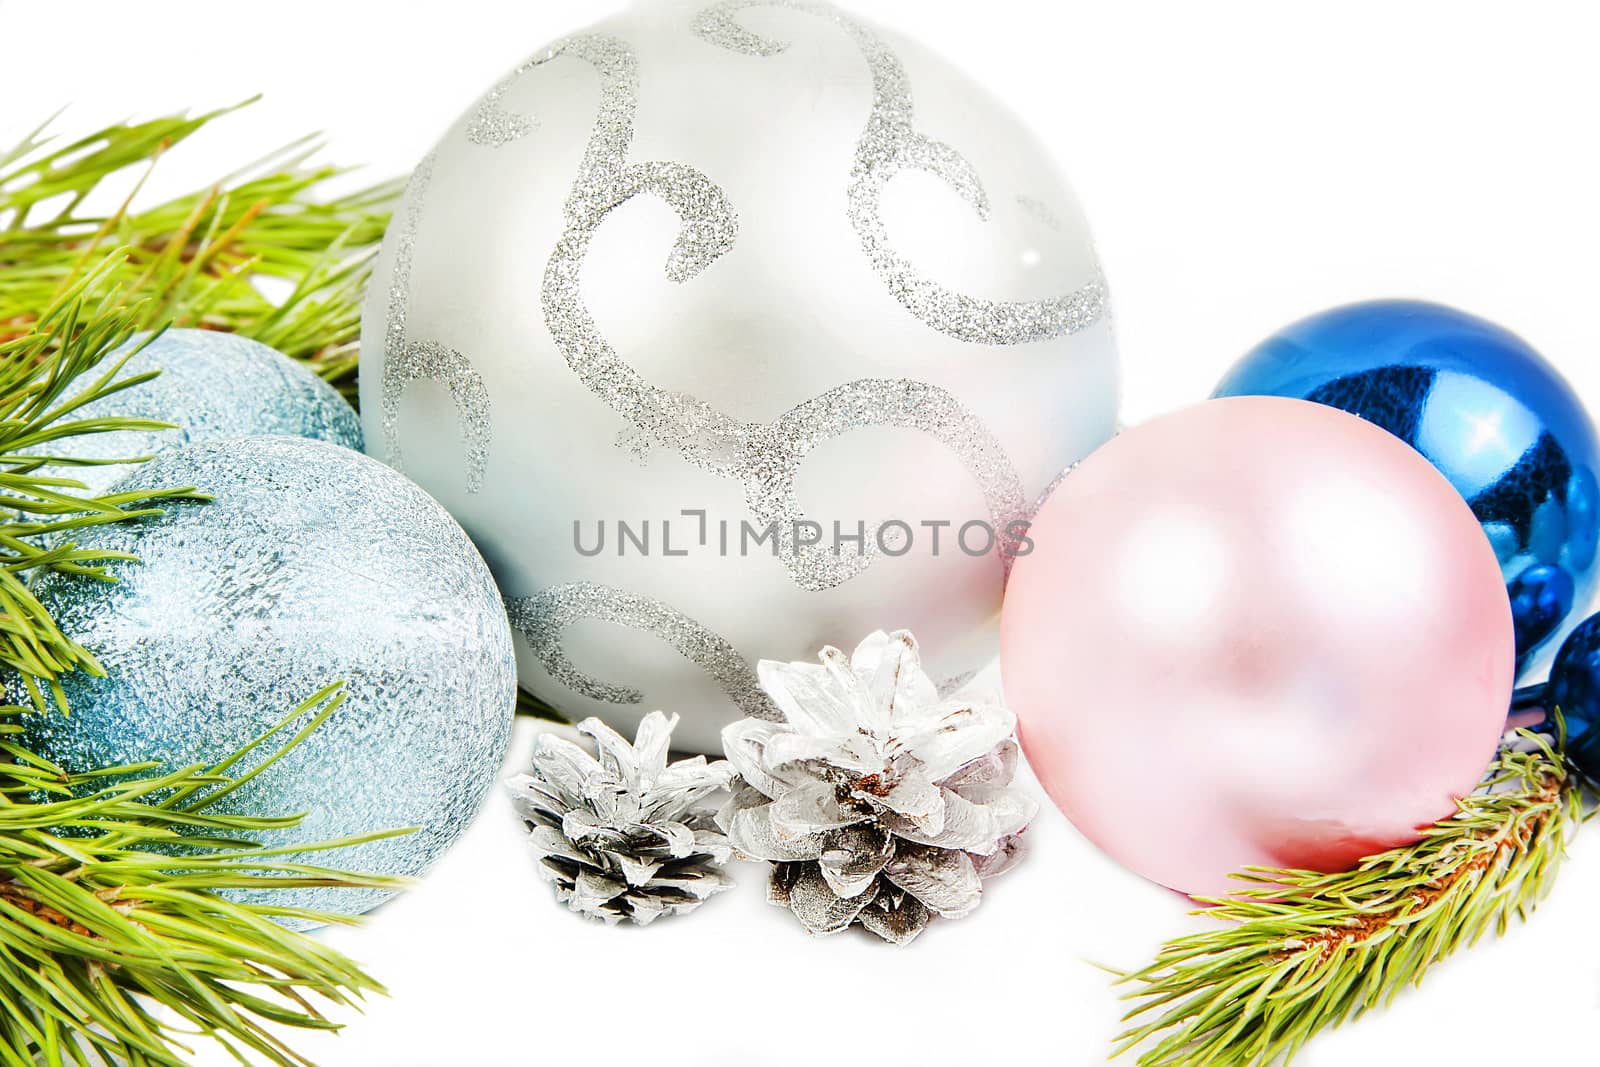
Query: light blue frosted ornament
x,y
212,385
313,564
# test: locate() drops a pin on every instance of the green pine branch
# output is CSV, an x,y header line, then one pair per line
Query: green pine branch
x,y
200,259
48,373
114,885
111,905
1305,951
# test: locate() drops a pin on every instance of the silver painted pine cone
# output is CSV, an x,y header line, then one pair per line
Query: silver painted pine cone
x,y
880,804
626,835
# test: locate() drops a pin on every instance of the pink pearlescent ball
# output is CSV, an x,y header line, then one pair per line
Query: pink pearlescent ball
x,y
1257,632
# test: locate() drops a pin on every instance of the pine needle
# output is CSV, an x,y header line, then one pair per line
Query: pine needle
x,y
111,903
47,374
206,259
1308,951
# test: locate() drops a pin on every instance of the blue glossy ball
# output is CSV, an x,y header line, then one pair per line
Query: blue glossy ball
x,y
212,386
1575,689
1496,419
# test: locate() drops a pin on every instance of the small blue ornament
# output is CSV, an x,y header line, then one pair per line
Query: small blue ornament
x,y
1486,410
313,564
212,385
1575,689
1541,598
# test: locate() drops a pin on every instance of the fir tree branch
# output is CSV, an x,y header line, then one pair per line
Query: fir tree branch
x,y
200,259
47,374
111,903
1307,951
113,885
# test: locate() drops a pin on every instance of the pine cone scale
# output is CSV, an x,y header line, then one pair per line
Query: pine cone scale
x,y
945,881
813,807
997,767
852,859
818,908
960,736
752,832
898,920
972,826
913,796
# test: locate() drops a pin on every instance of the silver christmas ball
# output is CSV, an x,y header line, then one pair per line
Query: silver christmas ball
x,y
312,565
717,266
212,385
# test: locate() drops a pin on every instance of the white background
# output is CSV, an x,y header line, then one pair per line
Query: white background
x,y
1242,164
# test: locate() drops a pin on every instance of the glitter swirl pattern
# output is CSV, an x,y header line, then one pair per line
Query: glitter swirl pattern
x,y
492,125
544,618
313,564
406,361
891,144
766,458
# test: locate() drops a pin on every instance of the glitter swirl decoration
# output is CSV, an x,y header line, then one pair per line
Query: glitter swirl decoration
x,y
724,326
544,618
406,361
890,145
765,457
492,125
